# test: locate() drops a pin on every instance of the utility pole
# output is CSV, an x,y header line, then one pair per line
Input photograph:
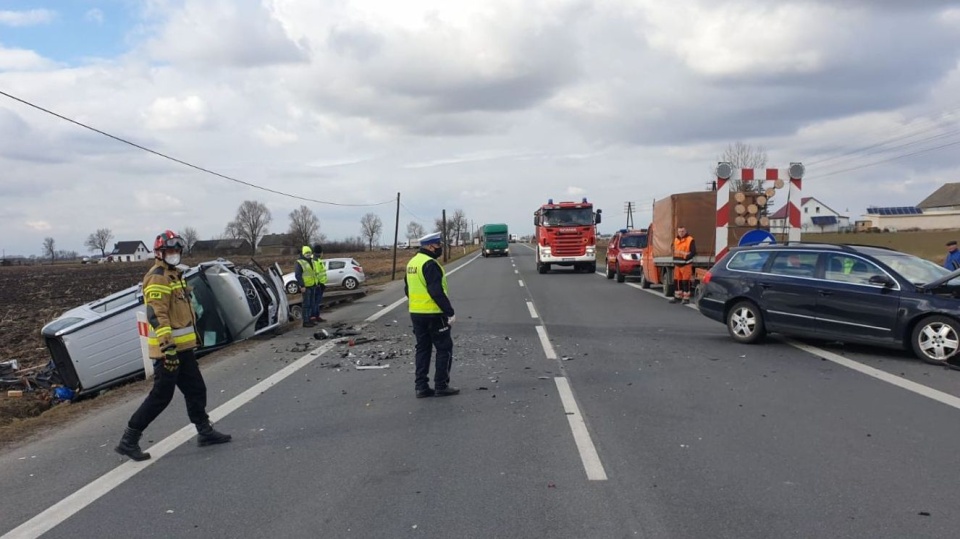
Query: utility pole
x,y
396,232
443,234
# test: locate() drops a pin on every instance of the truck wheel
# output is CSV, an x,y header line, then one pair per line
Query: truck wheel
x,y
620,276
610,272
667,279
644,283
592,268
542,268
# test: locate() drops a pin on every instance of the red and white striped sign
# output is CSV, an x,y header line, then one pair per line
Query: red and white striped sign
x,y
791,178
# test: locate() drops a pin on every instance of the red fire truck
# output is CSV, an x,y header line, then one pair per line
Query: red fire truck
x,y
566,235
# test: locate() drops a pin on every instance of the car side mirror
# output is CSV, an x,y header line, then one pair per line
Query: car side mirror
x,y
881,280
597,220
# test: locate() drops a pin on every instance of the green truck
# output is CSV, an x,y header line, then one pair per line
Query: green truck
x,y
494,241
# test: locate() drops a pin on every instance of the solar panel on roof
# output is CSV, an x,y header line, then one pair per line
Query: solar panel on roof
x,y
895,210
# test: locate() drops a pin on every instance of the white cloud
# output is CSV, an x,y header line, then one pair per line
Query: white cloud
x,y
27,18
575,191
156,201
171,113
39,225
22,60
94,15
271,136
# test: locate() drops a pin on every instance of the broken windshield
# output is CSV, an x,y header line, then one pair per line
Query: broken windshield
x,y
568,217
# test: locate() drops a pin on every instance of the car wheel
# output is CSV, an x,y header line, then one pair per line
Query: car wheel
x,y
296,312
292,287
610,272
745,323
936,339
350,283
620,276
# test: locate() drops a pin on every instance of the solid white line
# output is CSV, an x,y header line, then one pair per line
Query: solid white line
x,y
919,389
376,316
72,504
588,452
545,342
521,283
533,312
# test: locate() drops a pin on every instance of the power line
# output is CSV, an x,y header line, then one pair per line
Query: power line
x,y
844,162
894,158
180,161
415,216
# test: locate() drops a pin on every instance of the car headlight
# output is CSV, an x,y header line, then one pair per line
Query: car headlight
x,y
626,256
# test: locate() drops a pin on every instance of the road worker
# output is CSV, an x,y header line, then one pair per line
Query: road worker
x,y
306,275
684,249
171,345
432,315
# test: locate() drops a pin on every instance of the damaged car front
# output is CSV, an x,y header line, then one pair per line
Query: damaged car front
x,y
97,345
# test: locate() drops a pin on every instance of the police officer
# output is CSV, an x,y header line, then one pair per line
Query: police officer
x,y
432,315
684,249
320,271
173,322
306,275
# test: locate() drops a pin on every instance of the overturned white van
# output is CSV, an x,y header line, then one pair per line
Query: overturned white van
x,y
97,345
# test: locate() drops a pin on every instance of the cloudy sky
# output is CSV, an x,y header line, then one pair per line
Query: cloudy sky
x,y
491,107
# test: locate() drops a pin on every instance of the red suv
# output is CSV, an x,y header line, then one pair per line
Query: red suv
x,y
625,254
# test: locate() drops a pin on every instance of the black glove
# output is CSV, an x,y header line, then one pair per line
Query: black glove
x,y
171,362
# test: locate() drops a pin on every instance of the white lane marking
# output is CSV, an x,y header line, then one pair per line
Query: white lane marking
x,y
533,311
376,316
545,342
72,504
919,389
588,452
521,283
517,272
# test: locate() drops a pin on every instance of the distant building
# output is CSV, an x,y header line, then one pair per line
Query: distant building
x,y
939,211
129,251
815,216
277,244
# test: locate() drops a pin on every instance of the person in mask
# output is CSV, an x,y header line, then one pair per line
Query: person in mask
x,y
171,340
432,315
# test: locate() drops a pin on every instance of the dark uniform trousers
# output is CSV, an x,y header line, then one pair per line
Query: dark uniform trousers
x,y
432,331
188,378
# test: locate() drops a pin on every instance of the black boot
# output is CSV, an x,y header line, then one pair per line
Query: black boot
x,y
209,436
130,445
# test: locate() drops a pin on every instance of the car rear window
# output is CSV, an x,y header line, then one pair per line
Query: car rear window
x,y
748,260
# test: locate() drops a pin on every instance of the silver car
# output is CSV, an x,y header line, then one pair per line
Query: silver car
x,y
97,345
341,272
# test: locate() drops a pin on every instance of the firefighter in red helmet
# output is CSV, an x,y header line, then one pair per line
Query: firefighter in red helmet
x,y
172,341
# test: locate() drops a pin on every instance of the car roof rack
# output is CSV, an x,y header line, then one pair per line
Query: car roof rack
x,y
841,246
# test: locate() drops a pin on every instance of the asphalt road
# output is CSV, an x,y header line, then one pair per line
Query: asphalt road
x,y
589,409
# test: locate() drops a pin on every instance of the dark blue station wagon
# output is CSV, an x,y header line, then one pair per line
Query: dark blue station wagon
x,y
848,293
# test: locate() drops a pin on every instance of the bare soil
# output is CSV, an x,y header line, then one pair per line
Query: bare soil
x,y
32,296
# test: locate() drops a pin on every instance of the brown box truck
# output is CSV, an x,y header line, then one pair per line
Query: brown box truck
x,y
696,212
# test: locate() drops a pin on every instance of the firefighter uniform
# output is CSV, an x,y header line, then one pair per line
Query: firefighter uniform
x,y
684,249
171,344
432,316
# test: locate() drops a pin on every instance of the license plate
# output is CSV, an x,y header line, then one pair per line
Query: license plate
x,y
567,259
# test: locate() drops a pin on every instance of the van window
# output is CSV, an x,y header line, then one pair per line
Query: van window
x,y
795,263
749,261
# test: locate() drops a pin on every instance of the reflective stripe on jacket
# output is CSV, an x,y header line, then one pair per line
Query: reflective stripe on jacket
x,y
420,300
683,249
320,270
169,310
309,272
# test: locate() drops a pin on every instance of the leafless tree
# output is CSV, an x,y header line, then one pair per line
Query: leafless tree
x,y
50,248
99,240
438,227
190,236
304,226
460,225
250,223
743,155
414,230
370,228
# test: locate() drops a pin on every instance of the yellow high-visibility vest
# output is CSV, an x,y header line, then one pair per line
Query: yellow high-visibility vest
x,y
420,300
309,274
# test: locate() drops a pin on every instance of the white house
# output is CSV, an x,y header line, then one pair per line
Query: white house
x,y
939,211
815,216
130,251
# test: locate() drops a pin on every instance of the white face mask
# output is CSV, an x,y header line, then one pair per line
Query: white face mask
x,y
173,259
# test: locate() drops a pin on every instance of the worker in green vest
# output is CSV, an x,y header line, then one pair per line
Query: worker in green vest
x,y
432,315
320,270
306,276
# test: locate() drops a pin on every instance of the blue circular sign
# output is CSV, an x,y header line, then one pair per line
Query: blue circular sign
x,y
755,237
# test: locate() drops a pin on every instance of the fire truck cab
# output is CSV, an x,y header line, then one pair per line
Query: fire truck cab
x,y
566,234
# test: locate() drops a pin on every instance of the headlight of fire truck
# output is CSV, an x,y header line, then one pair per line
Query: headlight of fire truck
x,y
591,250
545,251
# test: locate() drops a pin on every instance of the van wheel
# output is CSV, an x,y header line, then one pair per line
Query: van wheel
x,y
936,339
620,276
745,323
610,272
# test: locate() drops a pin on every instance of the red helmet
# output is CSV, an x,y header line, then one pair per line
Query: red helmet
x,y
168,239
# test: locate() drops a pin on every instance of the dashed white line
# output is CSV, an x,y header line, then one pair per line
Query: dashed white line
x,y
517,272
545,342
581,436
521,284
533,311
72,504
